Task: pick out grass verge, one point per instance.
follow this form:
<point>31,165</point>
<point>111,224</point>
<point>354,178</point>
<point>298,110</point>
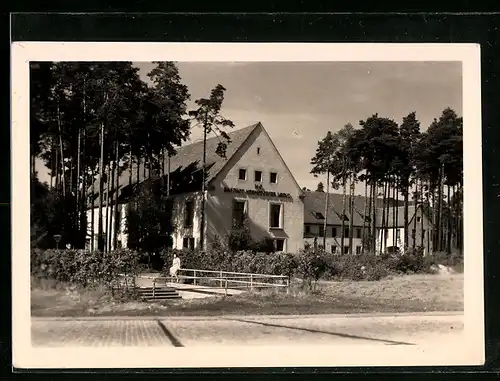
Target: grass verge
<point>412,293</point>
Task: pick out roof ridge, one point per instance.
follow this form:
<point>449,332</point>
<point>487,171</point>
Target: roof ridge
<point>239,130</point>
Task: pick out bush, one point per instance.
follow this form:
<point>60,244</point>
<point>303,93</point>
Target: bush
<point>356,267</point>
<point>245,261</point>
<point>311,266</point>
<point>82,267</point>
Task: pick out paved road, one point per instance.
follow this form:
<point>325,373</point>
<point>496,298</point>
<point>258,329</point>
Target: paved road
<point>256,330</point>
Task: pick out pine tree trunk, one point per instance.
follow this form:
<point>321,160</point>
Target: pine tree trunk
<point>351,215</point>
<point>108,204</point>
<point>117,186</point>
<point>374,217</point>
<point>448,240</point>
<point>434,217</point>
<point>365,204</point>
<point>100,237</point>
<point>414,230</point>
<point>111,198</point>
<point>460,220</point>
<point>63,175</point>
<point>56,181</point>
<point>343,215</point>
<point>83,199</point>
<point>429,233</point>
<point>382,231</point>
<point>422,213</point>
<point>394,211</point>
<point>52,169</point>
<point>78,174</point>
<point>405,217</point>
<point>455,217</point>
<point>388,206</point>
<point>203,188</point>
<point>92,224</point>
<point>327,195</point>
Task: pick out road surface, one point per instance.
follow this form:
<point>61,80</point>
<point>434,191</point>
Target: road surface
<point>247,330</point>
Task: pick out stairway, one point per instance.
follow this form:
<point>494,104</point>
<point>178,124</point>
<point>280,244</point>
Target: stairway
<point>160,293</point>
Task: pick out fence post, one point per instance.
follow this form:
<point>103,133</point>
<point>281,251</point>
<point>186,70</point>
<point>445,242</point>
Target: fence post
<point>251,282</point>
<point>220,282</point>
<point>154,287</point>
<point>287,285</point>
<point>194,277</point>
<point>225,289</point>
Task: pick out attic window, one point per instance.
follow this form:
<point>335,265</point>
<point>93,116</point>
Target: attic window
<point>258,150</point>
<point>273,177</point>
<point>319,216</point>
<point>242,174</point>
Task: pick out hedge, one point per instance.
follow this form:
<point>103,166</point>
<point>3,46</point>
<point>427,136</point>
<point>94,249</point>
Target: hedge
<point>84,268</point>
<point>311,265</point>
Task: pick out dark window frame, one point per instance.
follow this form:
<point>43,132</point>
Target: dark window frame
<point>271,217</point>
<point>275,174</point>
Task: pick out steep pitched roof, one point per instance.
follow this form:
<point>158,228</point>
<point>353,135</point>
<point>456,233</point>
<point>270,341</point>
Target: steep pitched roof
<point>314,208</point>
<point>399,213</point>
<point>314,203</point>
<point>189,158</point>
<point>191,155</point>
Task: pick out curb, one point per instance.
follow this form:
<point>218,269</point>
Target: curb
<point>254,317</point>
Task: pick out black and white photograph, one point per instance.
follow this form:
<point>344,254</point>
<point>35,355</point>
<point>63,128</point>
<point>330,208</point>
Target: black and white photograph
<point>254,205</point>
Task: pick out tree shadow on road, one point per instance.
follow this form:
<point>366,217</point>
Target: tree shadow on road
<point>345,335</point>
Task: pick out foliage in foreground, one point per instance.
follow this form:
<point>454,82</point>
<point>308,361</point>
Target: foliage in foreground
<point>82,268</point>
<point>311,266</point>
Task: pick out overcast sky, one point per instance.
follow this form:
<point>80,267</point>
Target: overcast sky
<point>298,102</point>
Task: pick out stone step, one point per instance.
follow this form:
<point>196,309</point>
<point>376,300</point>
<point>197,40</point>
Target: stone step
<point>160,293</point>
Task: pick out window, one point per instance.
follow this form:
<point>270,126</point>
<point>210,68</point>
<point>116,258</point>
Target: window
<point>346,249</point>
<point>398,234</point>
<point>242,174</point>
<point>334,249</point>
<point>188,213</point>
<point>358,233</point>
<point>238,214</point>
<point>188,243</point>
<point>358,250</point>
<point>319,216</point>
<point>419,219</point>
<point>413,233</point>
<point>279,244</point>
<point>308,229</point>
<point>321,231</point>
<point>258,176</point>
<point>423,233</point>
<point>334,232</point>
<point>346,232</point>
<point>275,211</point>
<point>273,178</point>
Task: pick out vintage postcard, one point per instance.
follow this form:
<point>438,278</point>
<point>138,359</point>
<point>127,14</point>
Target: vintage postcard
<point>246,205</point>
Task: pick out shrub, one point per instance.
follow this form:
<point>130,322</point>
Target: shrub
<point>311,265</point>
<point>245,261</point>
<point>82,267</point>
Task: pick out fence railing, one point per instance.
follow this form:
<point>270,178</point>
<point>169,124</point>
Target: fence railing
<point>218,279</point>
<point>223,280</point>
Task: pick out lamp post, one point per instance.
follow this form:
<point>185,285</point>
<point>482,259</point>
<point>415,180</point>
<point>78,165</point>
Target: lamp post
<point>57,238</point>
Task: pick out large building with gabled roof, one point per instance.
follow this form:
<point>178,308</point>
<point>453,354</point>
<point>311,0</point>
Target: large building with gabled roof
<point>389,238</point>
<point>252,184</point>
